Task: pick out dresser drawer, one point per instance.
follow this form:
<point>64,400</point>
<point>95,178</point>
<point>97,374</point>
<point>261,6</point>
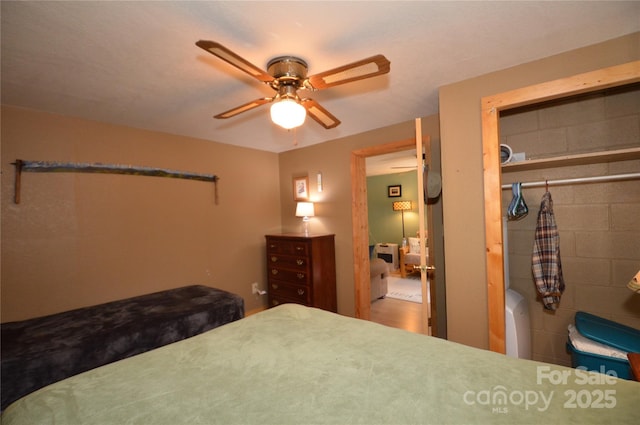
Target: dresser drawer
<point>283,246</point>
<point>282,290</point>
<point>298,263</point>
<point>301,269</point>
<point>295,276</point>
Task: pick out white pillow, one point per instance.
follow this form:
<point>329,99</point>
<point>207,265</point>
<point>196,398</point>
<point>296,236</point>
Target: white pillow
<point>414,246</point>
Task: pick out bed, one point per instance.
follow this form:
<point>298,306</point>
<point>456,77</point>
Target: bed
<point>43,350</point>
<point>299,365</point>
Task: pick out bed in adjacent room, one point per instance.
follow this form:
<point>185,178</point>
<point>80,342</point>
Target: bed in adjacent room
<point>299,365</point>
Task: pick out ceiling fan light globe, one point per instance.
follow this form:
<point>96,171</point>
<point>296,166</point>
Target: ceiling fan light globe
<point>288,113</point>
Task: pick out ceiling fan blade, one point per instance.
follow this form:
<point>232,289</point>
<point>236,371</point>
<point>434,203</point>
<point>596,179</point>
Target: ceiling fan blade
<point>365,68</point>
<point>243,108</point>
<point>232,58</point>
<point>319,114</point>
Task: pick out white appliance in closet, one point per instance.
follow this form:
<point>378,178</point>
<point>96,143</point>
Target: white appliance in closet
<point>516,312</point>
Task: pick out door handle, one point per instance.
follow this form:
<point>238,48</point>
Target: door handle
<point>425,268</point>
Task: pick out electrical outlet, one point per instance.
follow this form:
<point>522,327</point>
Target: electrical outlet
<point>255,290</point>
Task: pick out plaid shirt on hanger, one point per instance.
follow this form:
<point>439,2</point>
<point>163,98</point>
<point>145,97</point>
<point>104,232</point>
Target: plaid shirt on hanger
<point>545,261</point>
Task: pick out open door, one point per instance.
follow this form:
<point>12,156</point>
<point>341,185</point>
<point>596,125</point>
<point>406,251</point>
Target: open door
<point>361,231</point>
<point>425,223</point>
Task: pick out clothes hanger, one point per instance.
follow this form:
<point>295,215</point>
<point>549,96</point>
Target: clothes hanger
<point>518,207</point>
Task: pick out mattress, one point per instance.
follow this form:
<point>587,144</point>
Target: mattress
<point>299,365</point>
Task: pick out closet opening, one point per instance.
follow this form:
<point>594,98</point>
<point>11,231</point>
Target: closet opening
<point>542,119</point>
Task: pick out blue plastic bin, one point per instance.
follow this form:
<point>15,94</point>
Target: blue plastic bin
<point>609,333</point>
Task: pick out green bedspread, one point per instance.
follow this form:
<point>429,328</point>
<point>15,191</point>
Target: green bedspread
<point>298,365</point>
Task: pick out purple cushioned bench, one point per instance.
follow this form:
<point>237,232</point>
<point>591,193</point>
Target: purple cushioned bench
<point>40,351</point>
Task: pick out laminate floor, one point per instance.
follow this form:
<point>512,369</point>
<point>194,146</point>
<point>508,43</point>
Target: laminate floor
<point>397,314</point>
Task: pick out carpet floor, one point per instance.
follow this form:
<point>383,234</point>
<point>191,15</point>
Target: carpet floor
<point>404,289</point>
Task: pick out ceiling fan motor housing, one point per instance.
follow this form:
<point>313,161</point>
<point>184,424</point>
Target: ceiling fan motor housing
<point>288,91</point>
<point>287,70</point>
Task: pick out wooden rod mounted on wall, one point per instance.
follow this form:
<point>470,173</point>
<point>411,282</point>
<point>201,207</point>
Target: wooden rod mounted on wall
<point>61,167</point>
<point>16,195</point>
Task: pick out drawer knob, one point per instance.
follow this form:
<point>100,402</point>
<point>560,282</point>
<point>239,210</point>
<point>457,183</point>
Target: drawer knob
<point>300,291</point>
<point>298,248</point>
<point>300,261</point>
<point>275,302</point>
<point>274,259</point>
<point>274,286</point>
<point>274,271</point>
<point>300,275</point>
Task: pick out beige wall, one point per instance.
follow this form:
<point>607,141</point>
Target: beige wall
<point>333,208</point>
<point>599,223</point>
<point>462,174</point>
<point>56,256</point>
<point>82,239</point>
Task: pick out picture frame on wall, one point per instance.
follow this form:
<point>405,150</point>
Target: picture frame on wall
<point>394,191</point>
<point>301,188</point>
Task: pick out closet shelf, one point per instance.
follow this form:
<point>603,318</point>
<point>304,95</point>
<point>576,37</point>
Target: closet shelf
<point>577,159</point>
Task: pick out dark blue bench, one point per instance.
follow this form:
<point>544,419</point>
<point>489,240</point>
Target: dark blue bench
<point>41,351</point>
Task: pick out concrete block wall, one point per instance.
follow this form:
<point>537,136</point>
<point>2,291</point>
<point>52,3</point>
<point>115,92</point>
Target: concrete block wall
<point>599,223</point>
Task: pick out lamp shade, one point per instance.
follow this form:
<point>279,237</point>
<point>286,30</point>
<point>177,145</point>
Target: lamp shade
<point>288,113</point>
<point>402,206</point>
<point>305,209</point>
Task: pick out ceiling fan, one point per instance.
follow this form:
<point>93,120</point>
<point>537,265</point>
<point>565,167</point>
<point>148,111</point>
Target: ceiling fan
<point>288,74</point>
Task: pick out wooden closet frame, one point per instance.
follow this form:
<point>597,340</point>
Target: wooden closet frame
<point>491,107</point>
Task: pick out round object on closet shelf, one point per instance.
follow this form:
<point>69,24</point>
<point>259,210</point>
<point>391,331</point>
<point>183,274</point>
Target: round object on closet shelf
<point>505,154</point>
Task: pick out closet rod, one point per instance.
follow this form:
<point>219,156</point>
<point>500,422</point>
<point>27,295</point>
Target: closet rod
<point>615,177</point>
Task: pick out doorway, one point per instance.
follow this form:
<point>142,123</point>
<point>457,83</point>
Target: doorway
<point>361,241</point>
<point>392,211</point>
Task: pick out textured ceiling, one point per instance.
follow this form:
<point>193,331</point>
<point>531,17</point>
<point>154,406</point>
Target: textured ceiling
<point>136,64</point>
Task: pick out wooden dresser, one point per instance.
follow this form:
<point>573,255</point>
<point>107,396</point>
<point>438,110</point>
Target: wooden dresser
<point>302,269</point>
